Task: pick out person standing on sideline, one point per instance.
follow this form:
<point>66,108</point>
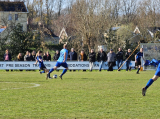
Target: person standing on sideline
<point>7,56</point>
<point>72,55</point>
<point>56,56</point>
<point>101,57</point>
<point>61,61</point>
<point>111,56</point>
<point>92,58</point>
<point>48,56</point>
<point>119,57</point>
<point>20,57</point>
<point>26,57</point>
<point>138,59</point>
<point>44,56</point>
<point>128,53</point>
<point>33,56</point>
<point>82,56</point>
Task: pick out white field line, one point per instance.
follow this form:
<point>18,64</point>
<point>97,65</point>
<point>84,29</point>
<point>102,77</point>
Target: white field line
<point>34,85</point>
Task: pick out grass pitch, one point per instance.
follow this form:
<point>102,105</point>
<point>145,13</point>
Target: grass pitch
<point>92,95</point>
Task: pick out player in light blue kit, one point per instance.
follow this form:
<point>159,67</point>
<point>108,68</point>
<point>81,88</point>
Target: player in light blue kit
<point>155,77</point>
<point>61,61</point>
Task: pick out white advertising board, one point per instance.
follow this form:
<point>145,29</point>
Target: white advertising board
<point>71,64</point>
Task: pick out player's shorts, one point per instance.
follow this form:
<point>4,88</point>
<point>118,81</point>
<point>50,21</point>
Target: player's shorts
<point>138,63</point>
<point>63,64</point>
<point>158,71</point>
<point>42,68</point>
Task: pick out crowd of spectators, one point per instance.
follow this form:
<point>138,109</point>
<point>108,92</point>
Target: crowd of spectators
<point>102,57</point>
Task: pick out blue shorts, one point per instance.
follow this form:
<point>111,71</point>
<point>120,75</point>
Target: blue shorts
<point>63,64</point>
<point>158,71</point>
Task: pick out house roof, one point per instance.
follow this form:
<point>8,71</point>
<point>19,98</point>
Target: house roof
<point>2,29</point>
<point>49,33</point>
<point>13,6</point>
<point>154,29</point>
<point>63,30</point>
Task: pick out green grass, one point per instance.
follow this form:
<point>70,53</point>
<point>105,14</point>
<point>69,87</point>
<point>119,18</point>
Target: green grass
<point>92,95</point>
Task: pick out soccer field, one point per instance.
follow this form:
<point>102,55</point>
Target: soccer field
<point>92,95</point>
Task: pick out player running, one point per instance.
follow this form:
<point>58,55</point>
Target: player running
<point>138,59</point>
<point>41,64</point>
<point>61,61</point>
<point>155,77</point>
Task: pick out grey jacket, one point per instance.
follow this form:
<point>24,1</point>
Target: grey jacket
<point>111,57</point>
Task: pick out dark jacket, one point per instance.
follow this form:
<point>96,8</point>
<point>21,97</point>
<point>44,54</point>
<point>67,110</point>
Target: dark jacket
<point>101,56</point>
<point>48,57</point>
<point>84,57</point>
<point>56,56</point>
<point>9,55</point>
<point>111,57</point>
<point>119,55</point>
<point>27,58</point>
<point>127,55</point>
<point>45,57</point>
<point>92,57</point>
<point>73,55</point>
<point>20,59</point>
<point>33,57</point>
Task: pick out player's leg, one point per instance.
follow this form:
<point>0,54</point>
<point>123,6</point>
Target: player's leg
<point>52,69</point>
<point>43,70</point>
<point>65,65</point>
<point>139,66</point>
<point>127,67</point>
<point>101,64</point>
<point>149,83</point>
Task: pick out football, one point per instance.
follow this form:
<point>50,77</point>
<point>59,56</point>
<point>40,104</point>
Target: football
<point>55,76</point>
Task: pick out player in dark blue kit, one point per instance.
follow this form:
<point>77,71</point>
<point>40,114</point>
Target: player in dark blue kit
<point>41,64</point>
<point>61,61</point>
<point>138,59</point>
<point>155,77</point>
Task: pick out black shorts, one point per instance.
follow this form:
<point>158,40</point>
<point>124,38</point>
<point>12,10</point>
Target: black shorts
<point>42,68</point>
<point>138,63</point>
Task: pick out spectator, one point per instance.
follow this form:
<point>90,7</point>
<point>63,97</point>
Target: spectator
<point>30,57</point>
<point>119,57</point>
<point>48,56</point>
<point>7,56</point>
<point>129,60</point>
<point>101,57</point>
<point>33,56</point>
<point>20,57</point>
<point>27,57</point>
<point>82,56</point>
<point>92,58</point>
<point>72,55</point>
<point>44,57</point>
<point>111,56</point>
<point>56,56</point>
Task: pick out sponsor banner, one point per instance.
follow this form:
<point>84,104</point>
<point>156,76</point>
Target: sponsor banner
<point>71,64</point>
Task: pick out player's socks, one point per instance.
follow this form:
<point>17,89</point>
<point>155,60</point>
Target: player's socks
<point>138,70</point>
<point>64,71</point>
<point>149,83</point>
<point>50,71</point>
<point>42,71</point>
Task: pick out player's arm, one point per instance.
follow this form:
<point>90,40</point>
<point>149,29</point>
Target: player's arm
<point>64,57</point>
<point>36,61</point>
<point>135,58</point>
